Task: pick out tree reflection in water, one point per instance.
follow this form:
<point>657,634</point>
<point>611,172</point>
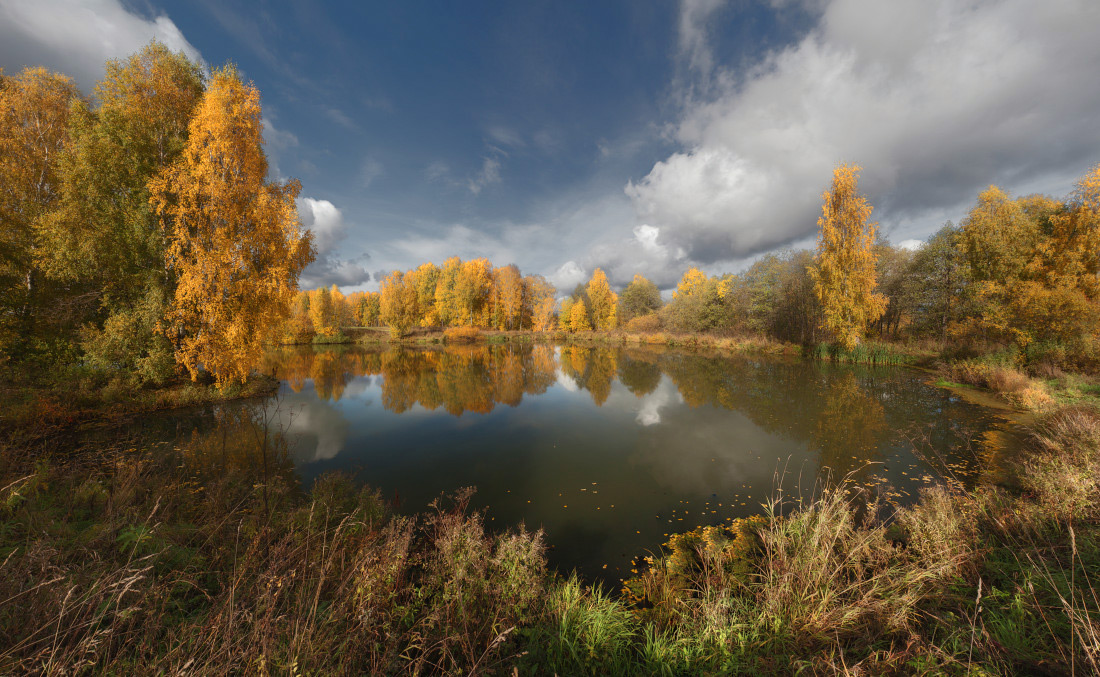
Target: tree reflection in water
<point>836,410</point>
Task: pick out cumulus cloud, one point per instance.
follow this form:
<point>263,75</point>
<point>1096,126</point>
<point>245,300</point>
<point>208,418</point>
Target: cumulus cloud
<point>934,99</point>
<point>329,231</point>
<point>642,253</point>
<point>649,411</point>
<point>77,38</point>
<point>567,276</point>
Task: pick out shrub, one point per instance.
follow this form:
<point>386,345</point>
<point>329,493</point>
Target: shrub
<point>644,324</point>
<point>461,334</point>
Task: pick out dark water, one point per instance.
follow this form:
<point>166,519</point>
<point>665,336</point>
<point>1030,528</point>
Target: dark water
<point>609,449</point>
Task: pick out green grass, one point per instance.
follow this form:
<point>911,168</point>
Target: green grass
<point>866,353</point>
<point>944,383</point>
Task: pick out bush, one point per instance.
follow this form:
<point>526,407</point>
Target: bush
<point>461,335</point>
<point>644,324</point>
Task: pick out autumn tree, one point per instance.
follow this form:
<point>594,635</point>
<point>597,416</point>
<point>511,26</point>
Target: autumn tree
<point>538,303</point>
<point>426,279</point>
<point>844,270</point>
<point>321,312</point>
<point>398,303</point>
<point>565,314</point>
<point>640,297</point>
<point>700,303</point>
<point>1074,251</point>
<point>691,283</point>
<point>578,317</point>
<point>473,287</point>
<point>1030,260</point>
<point>604,306</point>
<point>342,315</point>
<point>34,116</point>
<point>446,302</point>
<point>508,297</point>
<point>234,239</point>
<point>369,309</point>
<point>299,326</point>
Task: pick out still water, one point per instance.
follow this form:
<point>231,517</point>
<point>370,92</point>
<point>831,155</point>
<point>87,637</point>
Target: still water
<point>611,449</point>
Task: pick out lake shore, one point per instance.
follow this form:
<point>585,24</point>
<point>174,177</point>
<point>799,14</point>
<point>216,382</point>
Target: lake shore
<point>207,558</point>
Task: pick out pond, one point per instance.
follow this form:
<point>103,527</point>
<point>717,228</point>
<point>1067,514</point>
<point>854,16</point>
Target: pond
<point>609,450</point>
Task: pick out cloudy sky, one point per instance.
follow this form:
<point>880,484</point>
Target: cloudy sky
<point>637,136</point>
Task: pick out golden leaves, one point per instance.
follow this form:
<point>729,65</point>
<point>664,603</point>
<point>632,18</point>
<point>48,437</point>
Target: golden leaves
<point>844,271</point>
<point>234,242</point>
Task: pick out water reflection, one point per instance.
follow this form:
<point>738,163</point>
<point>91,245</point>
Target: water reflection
<point>610,449</point>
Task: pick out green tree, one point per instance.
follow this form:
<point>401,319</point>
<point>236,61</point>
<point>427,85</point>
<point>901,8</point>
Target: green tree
<point>34,117</point>
<point>640,297</point>
<point>940,279</point>
<point>104,234</point>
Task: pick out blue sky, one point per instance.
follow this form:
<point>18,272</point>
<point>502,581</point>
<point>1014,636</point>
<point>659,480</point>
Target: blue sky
<point>637,136</point>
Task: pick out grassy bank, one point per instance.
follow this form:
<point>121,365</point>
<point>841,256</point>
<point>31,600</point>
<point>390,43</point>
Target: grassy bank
<point>70,396</point>
<point>207,556</point>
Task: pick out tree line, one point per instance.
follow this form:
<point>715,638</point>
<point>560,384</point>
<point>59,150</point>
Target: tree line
<point>1022,272</point>
<point>141,235</point>
<point>140,232</point>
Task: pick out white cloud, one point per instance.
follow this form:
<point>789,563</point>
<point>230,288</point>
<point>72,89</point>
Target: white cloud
<point>505,136</point>
<point>489,174</point>
<point>911,245</point>
<point>694,45</point>
<point>329,232</point>
<point>340,117</point>
<point>437,170</point>
<point>371,170</point>
<point>276,143</point>
<point>77,38</point>
<point>567,276</point>
<point>649,412</point>
<point>934,99</point>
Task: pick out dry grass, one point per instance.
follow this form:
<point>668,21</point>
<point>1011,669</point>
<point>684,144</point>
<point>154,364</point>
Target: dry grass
<point>1063,468</point>
<point>200,563</point>
<point>1011,384</point>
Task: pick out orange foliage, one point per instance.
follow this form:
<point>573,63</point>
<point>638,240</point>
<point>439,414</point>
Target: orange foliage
<point>234,242</point>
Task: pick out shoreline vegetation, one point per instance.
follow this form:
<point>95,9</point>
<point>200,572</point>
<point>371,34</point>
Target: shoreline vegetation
<point>124,290</point>
<point>207,555</point>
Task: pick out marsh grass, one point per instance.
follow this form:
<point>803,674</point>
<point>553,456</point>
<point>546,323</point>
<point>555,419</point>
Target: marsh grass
<point>206,557</point>
<point>870,352</point>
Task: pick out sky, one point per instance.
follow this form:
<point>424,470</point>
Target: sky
<point>637,136</point>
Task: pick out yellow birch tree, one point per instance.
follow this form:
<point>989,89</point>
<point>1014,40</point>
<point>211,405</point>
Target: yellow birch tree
<point>578,317</point>
<point>604,302</point>
<point>844,270</point>
<point>234,240</point>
